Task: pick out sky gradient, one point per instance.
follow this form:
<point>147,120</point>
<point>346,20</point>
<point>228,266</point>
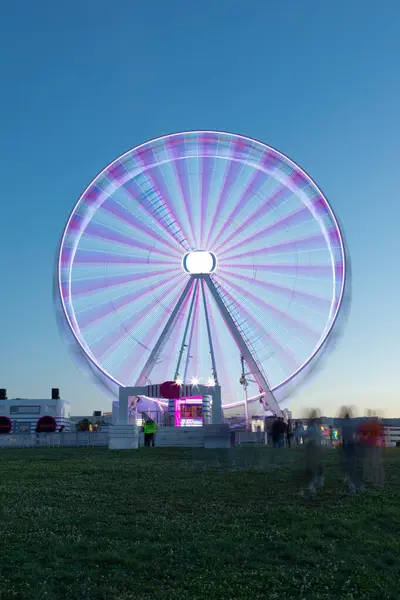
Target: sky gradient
<point>83,83</point>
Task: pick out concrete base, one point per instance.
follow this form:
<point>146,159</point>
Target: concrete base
<point>123,437</point>
<point>173,437</point>
<point>217,436</point>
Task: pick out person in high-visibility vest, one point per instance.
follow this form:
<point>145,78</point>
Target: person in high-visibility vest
<point>149,429</point>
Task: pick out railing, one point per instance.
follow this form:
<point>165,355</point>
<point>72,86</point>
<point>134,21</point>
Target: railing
<point>250,437</point>
<point>67,439</point>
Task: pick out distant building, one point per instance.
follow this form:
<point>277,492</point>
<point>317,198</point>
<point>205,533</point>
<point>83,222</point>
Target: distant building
<point>105,419</point>
<point>391,428</point>
<point>25,413</point>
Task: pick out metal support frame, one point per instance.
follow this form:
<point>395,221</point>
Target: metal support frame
<point>243,348</point>
<point>245,398</point>
<point>183,345</point>
<point>188,355</point>
<point>162,340</point>
<point>210,342</point>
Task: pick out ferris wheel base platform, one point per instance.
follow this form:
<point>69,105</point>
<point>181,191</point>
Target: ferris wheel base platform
<point>217,436</point>
<point>123,437</point>
<point>127,437</point>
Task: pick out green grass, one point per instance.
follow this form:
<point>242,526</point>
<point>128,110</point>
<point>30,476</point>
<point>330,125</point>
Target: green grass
<point>187,524</point>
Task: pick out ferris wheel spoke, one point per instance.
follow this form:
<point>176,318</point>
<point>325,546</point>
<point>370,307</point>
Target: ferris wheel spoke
<point>206,179</point>
<point>288,322</point>
<point>93,285</point>
<point>310,270</point>
<point>268,165</point>
<point>231,175</point>
<point>99,258</point>
<point>112,236</point>
<point>180,171</point>
<point>281,195</point>
<point>131,326</point>
<point>146,195</point>
<point>151,204</point>
<point>209,147</point>
<point>162,340</point>
<point>145,156</point>
<point>87,317</point>
<point>252,189</point>
<point>311,243</point>
<point>312,301</point>
<point>301,216</point>
<point>264,332</point>
<point>137,223</point>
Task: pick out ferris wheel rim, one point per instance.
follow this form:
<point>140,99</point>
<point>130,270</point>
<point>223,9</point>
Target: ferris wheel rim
<point>343,279</point>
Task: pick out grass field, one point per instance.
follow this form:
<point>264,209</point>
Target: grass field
<point>188,524</point>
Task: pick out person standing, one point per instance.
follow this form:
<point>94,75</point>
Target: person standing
<point>349,449</point>
<point>312,440</point>
<point>371,438</point>
<point>149,429</point>
<point>289,433</point>
<point>275,433</point>
<point>299,432</point>
<point>282,432</point>
<point>331,436</point>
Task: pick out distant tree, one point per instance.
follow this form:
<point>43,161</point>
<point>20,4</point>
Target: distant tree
<point>83,425</point>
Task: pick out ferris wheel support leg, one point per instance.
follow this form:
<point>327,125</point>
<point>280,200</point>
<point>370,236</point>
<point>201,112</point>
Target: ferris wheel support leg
<point>243,348</point>
<point>123,415</point>
<point>210,341</point>
<point>162,340</point>
<point>184,345</point>
<point>217,416</point>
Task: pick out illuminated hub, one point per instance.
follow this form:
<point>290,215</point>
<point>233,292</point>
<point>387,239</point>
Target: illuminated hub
<point>199,262</point>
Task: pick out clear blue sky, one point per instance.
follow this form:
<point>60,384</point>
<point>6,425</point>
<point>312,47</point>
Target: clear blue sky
<point>84,81</point>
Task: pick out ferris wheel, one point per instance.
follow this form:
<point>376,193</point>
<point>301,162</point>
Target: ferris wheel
<point>197,252</point>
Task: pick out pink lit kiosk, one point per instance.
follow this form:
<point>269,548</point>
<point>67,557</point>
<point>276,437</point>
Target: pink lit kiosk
<point>189,407</point>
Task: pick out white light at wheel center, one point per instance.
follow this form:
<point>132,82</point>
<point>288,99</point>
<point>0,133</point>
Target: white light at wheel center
<point>199,262</point>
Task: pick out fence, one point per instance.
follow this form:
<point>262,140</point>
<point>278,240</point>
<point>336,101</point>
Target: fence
<point>67,439</point>
<point>250,437</point>
<point>100,438</point>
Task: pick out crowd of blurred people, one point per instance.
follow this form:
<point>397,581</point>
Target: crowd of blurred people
<point>283,434</point>
<point>360,443</point>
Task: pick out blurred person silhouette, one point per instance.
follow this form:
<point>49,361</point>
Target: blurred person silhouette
<point>372,440</point>
<point>351,449</point>
<point>299,432</point>
<point>289,433</point>
<point>282,429</point>
<point>312,439</point>
<point>275,433</point>
<point>331,436</point>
